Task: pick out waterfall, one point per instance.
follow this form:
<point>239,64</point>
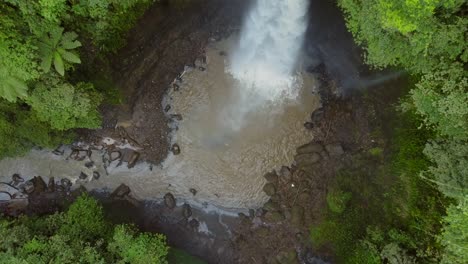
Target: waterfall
<point>271,38</point>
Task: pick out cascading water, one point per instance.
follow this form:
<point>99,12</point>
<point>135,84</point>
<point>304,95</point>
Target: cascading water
<point>269,46</point>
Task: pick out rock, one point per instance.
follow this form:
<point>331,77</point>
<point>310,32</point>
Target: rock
<point>285,173</point>
<point>79,154</point>
<point>179,79</point>
<point>262,231</point>
<point>297,215</point>
<point>317,115</point>
<point>176,87</point>
<point>271,206</point>
<point>274,216</point>
<point>133,159</point>
<point>177,117</point>
<point>167,108</point>
<point>269,189</point>
<point>89,164</point>
<point>169,201</point>
<point>287,257</point>
<point>121,191</point>
<point>28,187</point>
<point>39,184</point>
<point>186,211</point>
<point>66,183</point>
<point>222,53</point>
<point>334,150</point>
<point>194,224</point>
<point>309,125</point>
<point>59,151</point>
<point>304,197</point>
<point>271,177</point>
<point>251,213</point>
<point>202,68</point>
<point>16,179</point>
<point>83,176</point>
<point>260,212</point>
<point>175,149</point>
<point>307,159</point>
<point>96,175</point>
<point>312,147</point>
<point>51,184</point>
<point>114,155</point>
<point>193,191</point>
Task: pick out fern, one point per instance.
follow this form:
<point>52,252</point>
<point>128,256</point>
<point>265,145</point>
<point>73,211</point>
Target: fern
<point>56,48</point>
<point>10,87</point>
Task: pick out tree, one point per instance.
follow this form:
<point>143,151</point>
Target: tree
<point>455,234</point>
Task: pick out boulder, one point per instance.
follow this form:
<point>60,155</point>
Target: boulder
<point>186,211</point>
<point>39,184</point>
<point>133,159</point>
<point>51,184</point>
<point>271,206</point>
<point>193,191</point>
<point>167,108</point>
<point>271,177</point>
<point>317,115</point>
<point>274,216</point>
<point>16,179</point>
<point>96,175</point>
<point>307,159</point>
<point>169,201</point>
<point>334,150</point>
<point>114,155</point>
<point>121,191</point>
<point>285,173</point>
<point>83,176</point>
<point>194,224</point>
<point>269,189</point>
<point>287,257</point>
<point>309,125</point>
<point>177,117</point>
<point>175,149</point>
<point>310,148</point>
<point>89,164</point>
<point>297,215</point>
<point>28,187</point>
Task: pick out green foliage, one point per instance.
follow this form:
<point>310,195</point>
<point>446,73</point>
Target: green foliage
<point>177,256</point>
<point>138,248</point>
<point>455,234</point>
<point>57,46</point>
<point>80,235</point>
<point>337,200</point>
<point>65,106</point>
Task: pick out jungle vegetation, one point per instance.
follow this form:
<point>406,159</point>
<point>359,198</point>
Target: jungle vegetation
<point>413,209</point>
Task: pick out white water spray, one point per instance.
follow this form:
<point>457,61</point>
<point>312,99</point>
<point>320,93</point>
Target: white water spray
<point>269,46</point>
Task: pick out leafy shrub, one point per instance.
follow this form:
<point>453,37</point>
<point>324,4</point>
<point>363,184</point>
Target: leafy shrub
<point>337,200</point>
<point>80,235</point>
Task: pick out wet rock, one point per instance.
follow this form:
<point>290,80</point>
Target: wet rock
<point>271,177</point>
<point>177,117</point>
<point>202,68</point>
<point>28,187</point>
<point>271,206</point>
<point>194,224</point>
<point>51,184</point>
<point>169,201</point>
<point>193,191</point>
<point>334,150</point>
<point>186,211</point>
<point>251,213</point>
<point>309,125</point>
<point>39,184</point>
<point>317,115</point>
<point>176,87</point>
<point>307,159</point>
<point>297,215</point>
<point>167,108</point>
<point>274,216</point>
<point>287,257</point>
<point>96,175</point>
<point>83,176</point>
<point>59,151</point>
<point>133,159</point>
<point>285,173</point>
<point>16,179</point>
<point>310,148</point>
<point>114,155</point>
<point>79,154</point>
<point>269,189</point>
<point>223,53</point>
<point>260,212</point>
<point>121,191</point>
<point>276,197</point>
<point>175,149</point>
<point>89,164</point>
<point>66,183</point>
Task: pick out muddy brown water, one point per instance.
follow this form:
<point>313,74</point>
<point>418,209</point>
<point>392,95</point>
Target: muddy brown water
<point>224,162</point>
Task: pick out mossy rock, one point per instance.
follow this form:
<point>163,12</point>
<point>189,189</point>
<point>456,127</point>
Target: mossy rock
<point>287,257</point>
<point>269,189</point>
